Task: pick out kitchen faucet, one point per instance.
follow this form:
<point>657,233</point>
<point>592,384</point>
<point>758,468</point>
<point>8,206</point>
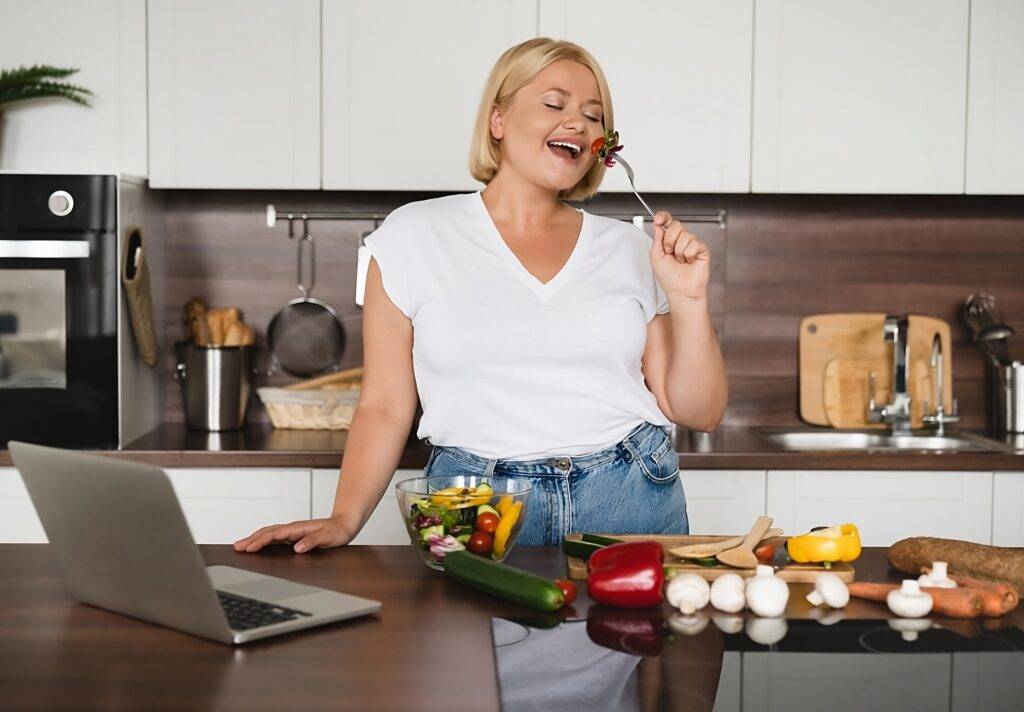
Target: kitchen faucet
<point>938,419</point>
<point>896,413</point>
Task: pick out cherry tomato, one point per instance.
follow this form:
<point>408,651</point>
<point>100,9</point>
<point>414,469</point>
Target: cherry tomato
<point>597,144</point>
<point>568,590</point>
<point>480,543</point>
<point>764,553</point>
<point>487,522</point>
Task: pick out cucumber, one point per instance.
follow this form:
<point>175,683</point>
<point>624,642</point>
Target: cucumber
<point>602,540</point>
<point>579,549</point>
<point>503,581</point>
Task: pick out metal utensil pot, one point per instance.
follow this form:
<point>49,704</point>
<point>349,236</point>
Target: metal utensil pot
<point>215,383</point>
<point>1006,389</point>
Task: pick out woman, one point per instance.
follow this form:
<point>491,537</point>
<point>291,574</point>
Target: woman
<point>550,343</point>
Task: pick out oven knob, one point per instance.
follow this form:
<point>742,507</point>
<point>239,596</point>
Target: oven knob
<point>61,203</point>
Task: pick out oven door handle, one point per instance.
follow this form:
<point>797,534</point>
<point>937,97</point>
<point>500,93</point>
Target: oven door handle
<point>44,249</point>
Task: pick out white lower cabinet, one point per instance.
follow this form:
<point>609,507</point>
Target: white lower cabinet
<point>885,505</point>
<point>18,521</point>
<point>223,505</point>
<point>385,525</point>
<point>845,681</point>
<point>1008,509</point>
<point>723,501</point>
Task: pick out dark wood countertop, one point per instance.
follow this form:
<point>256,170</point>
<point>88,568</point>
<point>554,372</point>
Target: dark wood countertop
<point>430,647</point>
<point>733,448</point>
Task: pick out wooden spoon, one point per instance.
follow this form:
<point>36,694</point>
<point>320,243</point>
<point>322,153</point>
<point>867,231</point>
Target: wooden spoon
<point>698,551</point>
<point>742,556</point>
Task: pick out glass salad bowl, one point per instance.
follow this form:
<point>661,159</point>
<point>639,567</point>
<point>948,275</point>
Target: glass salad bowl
<point>443,514</point>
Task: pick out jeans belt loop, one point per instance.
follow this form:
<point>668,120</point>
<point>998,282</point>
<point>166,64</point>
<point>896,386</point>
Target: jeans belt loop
<point>489,472</point>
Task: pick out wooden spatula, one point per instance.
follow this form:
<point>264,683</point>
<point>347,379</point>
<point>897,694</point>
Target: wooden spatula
<point>698,551</point>
<point>742,556</point>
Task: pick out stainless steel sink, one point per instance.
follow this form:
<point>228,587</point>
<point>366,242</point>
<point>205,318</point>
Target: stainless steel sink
<point>821,439</point>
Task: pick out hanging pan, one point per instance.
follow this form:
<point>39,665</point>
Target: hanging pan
<point>306,337</point>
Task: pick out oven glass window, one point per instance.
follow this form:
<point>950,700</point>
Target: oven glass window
<point>33,328</point>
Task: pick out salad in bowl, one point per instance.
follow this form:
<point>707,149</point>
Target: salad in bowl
<point>445,514</point>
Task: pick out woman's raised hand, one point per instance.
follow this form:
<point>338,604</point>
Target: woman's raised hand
<point>305,535</point>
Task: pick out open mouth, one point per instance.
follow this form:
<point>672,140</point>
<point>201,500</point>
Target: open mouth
<point>565,151</point>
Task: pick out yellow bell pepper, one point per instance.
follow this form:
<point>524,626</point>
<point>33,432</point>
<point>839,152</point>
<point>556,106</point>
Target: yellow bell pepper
<point>838,543</point>
<point>504,530</point>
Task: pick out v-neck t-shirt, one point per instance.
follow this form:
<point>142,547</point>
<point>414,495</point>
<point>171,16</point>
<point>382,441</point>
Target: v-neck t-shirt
<point>507,366</point>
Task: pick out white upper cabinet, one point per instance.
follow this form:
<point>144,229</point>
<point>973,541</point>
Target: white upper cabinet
<point>402,82</point>
<point>679,73</point>
<point>995,114</point>
<point>106,41</point>
<point>859,97</point>
<point>234,94</point>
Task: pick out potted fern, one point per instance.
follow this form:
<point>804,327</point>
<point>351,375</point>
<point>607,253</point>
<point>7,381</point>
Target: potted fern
<point>36,82</point>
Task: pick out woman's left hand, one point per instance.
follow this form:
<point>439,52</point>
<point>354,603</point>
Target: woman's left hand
<point>681,262</point>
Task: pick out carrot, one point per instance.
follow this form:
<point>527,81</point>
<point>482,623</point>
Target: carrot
<point>949,602</point>
<point>997,597</point>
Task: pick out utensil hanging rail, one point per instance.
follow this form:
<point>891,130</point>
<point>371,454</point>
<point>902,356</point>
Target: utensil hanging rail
<point>273,215</point>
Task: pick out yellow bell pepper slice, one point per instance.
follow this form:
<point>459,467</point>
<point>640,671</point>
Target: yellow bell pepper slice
<point>838,543</point>
<point>504,530</point>
<point>503,505</point>
<point>460,497</point>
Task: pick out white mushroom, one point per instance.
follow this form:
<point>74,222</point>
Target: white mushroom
<point>727,593</point>
<point>937,577</point>
<point>909,601</point>
<point>766,631</point>
<point>728,624</point>
<point>767,594</point>
<point>688,593</point>
<point>827,616</point>
<point>829,590</point>
<point>687,624</point>
<point>909,627</point>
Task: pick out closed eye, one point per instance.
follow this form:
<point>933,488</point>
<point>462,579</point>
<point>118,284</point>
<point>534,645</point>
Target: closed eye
<point>559,108</point>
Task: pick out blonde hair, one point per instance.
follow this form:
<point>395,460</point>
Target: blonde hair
<point>515,69</point>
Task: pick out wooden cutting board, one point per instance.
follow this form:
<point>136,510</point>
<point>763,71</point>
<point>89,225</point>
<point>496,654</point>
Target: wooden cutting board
<point>847,384</point>
<point>794,573</point>
<point>858,335</point>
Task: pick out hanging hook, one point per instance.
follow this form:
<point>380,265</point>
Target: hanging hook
<point>306,239</point>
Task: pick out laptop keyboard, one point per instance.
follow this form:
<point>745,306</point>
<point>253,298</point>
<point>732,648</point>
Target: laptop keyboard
<point>245,613</point>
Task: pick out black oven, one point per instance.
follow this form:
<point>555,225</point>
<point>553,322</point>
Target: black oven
<point>59,310</point>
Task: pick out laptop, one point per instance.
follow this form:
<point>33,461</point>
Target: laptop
<point>121,543</point>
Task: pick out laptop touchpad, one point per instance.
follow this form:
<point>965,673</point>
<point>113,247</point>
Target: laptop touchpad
<point>272,589</point>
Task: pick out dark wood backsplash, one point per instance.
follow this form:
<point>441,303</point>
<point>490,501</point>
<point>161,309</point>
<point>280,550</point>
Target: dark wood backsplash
<point>780,258</point>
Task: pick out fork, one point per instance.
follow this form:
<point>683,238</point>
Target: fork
<point>629,174</point>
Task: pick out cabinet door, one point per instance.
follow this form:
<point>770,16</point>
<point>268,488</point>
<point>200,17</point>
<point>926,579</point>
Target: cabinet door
<point>18,521</point>
<point>106,41</point>
<point>234,94</point>
<point>995,100</point>
<point>679,73</point>
<point>846,682</point>
<point>222,506</point>
<point>1008,509</point>
<point>385,525</point>
<point>859,97</point>
<point>402,82</point>
<point>886,506</point>
<point>723,501</point>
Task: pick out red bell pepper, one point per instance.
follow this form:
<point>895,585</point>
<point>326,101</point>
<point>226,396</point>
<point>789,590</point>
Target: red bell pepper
<point>627,575</point>
<point>632,632</point>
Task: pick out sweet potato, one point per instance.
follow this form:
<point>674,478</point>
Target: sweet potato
<point>964,558</point>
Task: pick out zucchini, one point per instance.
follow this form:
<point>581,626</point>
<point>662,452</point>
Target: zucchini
<point>503,581</point>
<point>602,540</point>
<point>579,549</point>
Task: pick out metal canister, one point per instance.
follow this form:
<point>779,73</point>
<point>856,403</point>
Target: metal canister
<point>216,382</point>
<point>1007,397</point>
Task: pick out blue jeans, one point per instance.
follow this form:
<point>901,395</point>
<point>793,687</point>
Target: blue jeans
<point>632,487</point>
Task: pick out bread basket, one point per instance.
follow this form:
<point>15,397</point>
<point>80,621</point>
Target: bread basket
<point>324,403</point>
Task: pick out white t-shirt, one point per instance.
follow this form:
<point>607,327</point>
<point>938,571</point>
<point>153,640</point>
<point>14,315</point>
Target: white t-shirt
<point>507,366</point>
